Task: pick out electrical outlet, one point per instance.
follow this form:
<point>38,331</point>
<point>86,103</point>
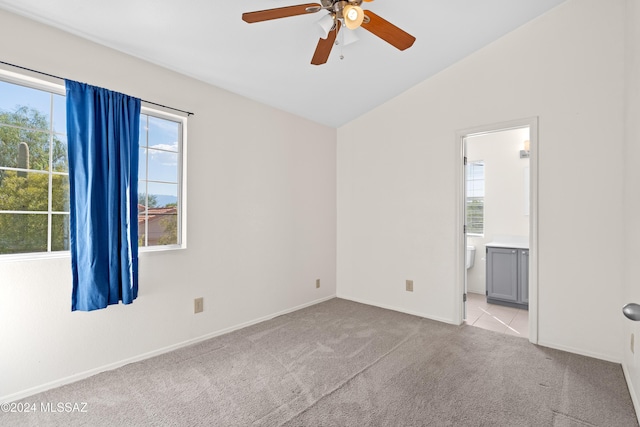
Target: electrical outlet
<point>633,350</point>
<point>409,285</point>
<point>317,283</point>
<point>198,305</point>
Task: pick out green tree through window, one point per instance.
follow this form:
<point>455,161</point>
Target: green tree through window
<point>33,164</point>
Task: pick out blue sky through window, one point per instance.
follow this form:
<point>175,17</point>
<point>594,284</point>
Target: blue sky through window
<point>159,157</point>
<point>163,135</point>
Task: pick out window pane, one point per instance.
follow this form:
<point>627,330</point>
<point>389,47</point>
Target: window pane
<point>60,114</point>
<point>164,195</point>
<point>141,227</point>
<point>163,166</point>
<point>60,193</point>
<point>59,232</point>
<point>142,195</point>
<point>143,130</point>
<point>475,197</point>
<point>23,106</point>
<point>142,163</point>
<point>21,148</point>
<point>475,215</point>
<point>163,134</point>
<point>163,227</point>
<point>160,220</point>
<point>24,191</point>
<point>60,153</point>
<point>22,233</point>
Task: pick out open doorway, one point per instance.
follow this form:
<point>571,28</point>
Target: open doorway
<point>498,204</point>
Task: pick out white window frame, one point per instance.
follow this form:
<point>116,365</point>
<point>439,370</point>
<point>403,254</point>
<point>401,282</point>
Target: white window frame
<point>182,179</point>
<point>59,89</point>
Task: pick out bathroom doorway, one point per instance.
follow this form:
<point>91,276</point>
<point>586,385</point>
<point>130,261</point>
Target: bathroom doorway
<point>498,204</point>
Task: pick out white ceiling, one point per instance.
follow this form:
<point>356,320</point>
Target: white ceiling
<point>270,61</point>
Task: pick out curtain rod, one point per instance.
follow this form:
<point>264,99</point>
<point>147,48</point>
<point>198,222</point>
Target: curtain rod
<point>188,113</point>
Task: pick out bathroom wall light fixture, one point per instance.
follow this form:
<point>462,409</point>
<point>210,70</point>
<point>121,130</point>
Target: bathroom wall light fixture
<point>524,153</point>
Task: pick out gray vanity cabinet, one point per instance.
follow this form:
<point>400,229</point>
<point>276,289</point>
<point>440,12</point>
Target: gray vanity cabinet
<point>508,276</point>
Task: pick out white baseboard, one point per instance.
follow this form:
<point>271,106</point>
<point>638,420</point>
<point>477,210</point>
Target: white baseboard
<point>82,375</point>
<point>399,309</point>
<point>601,356</point>
<point>632,392</point>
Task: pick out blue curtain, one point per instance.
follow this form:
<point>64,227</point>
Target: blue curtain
<point>102,133</point>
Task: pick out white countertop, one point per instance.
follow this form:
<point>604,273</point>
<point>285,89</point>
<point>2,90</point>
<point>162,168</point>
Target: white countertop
<point>515,245</point>
<point>517,242</point>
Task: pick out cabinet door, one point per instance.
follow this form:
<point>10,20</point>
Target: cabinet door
<point>502,274</point>
<point>524,276</point>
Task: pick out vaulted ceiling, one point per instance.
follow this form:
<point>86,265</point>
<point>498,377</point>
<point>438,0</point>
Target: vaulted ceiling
<point>270,61</point>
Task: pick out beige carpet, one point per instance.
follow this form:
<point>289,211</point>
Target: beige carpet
<point>340,363</point>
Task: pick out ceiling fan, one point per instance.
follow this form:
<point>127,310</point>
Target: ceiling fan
<point>341,13</point>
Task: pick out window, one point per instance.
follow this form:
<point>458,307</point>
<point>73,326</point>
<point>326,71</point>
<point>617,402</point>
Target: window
<point>34,183</point>
<point>159,181</point>
<point>475,198</point>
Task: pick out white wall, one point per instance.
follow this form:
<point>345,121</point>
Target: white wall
<point>631,282</point>
<point>504,200</point>
<point>261,225</point>
<point>397,169</point>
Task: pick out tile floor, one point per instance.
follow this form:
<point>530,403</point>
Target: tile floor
<point>498,318</point>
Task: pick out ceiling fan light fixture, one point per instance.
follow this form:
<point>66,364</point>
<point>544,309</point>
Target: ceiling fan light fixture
<point>349,37</point>
<point>325,25</point>
<point>353,16</point>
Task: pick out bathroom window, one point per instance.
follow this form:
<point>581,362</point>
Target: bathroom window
<point>475,198</point>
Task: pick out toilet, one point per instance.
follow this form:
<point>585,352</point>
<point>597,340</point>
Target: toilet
<point>471,255</point>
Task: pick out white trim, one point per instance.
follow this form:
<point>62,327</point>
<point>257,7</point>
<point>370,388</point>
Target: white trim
<point>632,392</point>
<point>82,375</point>
<point>459,238</point>
<point>34,256</point>
<point>398,309</point>
<point>162,114</point>
<point>24,79</point>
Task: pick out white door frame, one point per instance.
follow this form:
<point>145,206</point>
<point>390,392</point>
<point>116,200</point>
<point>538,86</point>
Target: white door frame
<point>460,237</point>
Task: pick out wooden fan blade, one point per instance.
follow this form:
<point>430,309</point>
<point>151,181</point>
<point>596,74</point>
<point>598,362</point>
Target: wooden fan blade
<point>321,55</point>
<point>280,12</point>
<point>387,31</point>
